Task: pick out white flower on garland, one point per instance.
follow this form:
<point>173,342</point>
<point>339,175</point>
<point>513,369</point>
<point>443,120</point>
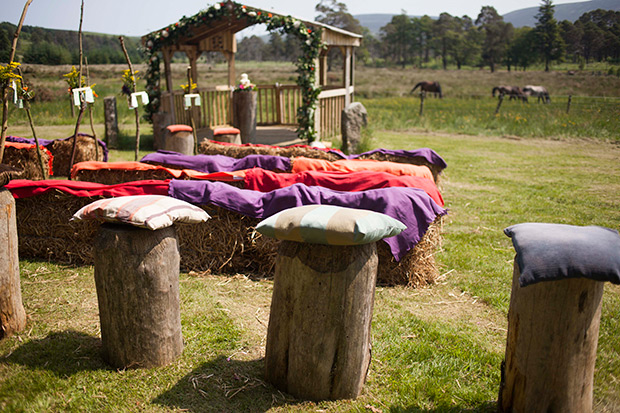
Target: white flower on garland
<point>217,6</point>
<point>309,42</point>
<point>296,24</point>
<point>164,33</point>
<point>252,13</point>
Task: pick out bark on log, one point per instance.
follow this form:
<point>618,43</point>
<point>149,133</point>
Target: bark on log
<point>244,114</point>
<point>111,121</point>
<point>12,313</point>
<point>182,142</point>
<point>551,346</point>
<point>137,279</point>
<point>318,339</point>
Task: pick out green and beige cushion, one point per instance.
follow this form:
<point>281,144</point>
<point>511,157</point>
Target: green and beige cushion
<point>330,225</point>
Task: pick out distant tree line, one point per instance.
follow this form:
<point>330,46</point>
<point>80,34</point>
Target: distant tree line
<point>457,41</point>
<point>57,47</point>
<point>463,41</point>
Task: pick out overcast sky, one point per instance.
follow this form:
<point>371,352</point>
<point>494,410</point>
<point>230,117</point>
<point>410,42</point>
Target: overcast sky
<point>139,17</point>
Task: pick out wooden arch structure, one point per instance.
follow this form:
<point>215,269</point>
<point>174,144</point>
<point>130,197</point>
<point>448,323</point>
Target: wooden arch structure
<point>277,104</point>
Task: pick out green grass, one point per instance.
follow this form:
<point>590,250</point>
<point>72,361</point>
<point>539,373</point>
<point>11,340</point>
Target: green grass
<point>587,118</point>
<point>434,349</point>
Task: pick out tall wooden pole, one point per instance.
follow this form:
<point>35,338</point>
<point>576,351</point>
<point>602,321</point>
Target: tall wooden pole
<point>132,73</point>
<point>5,88</point>
<point>191,109</point>
<point>82,103</point>
<point>90,113</point>
<point>34,134</point>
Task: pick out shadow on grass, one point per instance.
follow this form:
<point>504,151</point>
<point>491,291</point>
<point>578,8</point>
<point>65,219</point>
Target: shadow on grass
<point>488,406</point>
<point>61,353</point>
<point>224,385</point>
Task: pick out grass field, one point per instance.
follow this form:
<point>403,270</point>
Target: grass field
<point>436,349</point>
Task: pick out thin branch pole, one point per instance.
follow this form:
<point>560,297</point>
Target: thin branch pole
<point>90,113</point>
<point>5,88</point>
<point>34,133</point>
<point>191,110</point>
<point>82,103</point>
<point>132,73</point>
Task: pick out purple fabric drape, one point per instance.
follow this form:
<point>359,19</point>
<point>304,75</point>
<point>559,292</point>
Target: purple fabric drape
<point>218,163</point>
<point>412,206</point>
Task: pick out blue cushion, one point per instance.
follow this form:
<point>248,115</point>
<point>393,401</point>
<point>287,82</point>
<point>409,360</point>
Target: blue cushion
<point>547,252</point>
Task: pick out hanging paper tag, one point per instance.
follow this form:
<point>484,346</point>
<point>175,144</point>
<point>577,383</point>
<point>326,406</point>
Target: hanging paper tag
<point>133,100</point>
<point>187,103</point>
<point>16,100</point>
<point>88,95</point>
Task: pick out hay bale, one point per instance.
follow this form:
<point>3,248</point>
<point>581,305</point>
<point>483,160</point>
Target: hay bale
<point>61,149</point>
<point>226,244</point>
<point>117,176</point>
<point>8,172</point>
<point>45,232</point>
<point>208,147</point>
<point>28,161</point>
<point>411,160</point>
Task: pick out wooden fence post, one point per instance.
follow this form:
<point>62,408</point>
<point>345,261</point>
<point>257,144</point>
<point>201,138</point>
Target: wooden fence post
<point>111,121</point>
<point>422,96</point>
<point>570,98</point>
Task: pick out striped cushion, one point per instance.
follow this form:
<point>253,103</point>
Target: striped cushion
<point>330,225</point>
<point>145,211</point>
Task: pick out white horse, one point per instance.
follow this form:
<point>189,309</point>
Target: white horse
<point>539,91</point>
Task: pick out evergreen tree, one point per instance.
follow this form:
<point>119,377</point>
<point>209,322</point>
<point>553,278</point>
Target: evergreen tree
<point>548,39</point>
<point>497,36</point>
<point>5,46</point>
<point>397,36</point>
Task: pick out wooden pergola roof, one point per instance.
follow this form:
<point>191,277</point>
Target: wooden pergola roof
<point>330,36</point>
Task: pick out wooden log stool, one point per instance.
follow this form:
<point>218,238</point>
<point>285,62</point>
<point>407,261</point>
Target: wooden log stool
<point>227,134</point>
<point>318,339</point>
<point>12,313</point>
<point>179,138</point>
<point>554,315</point>
<point>137,277</point>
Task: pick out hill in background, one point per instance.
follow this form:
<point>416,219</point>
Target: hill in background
<point>518,18</point>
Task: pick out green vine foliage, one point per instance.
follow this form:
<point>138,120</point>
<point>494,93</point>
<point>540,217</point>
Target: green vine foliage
<point>306,68</point>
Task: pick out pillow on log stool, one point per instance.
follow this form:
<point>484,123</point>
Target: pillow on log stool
<point>225,131</point>
<point>330,225</point>
<point>178,128</point>
<point>144,211</point>
<point>547,252</point>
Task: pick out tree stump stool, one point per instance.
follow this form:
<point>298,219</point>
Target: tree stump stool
<point>554,316</point>
<point>229,134</point>
<point>179,138</point>
<point>12,313</point>
<point>318,339</point>
<point>137,280</point>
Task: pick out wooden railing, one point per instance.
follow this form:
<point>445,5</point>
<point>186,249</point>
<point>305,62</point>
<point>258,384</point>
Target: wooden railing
<point>276,105</point>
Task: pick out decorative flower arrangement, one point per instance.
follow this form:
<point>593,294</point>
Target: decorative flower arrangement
<point>7,73</point>
<point>72,79</point>
<point>310,43</point>
<point>129,82</point>
<point>187,89</point>
<point>245,84</point>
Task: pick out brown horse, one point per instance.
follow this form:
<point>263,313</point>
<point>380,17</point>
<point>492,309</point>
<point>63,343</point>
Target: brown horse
<point>432,87</point>
<point>513,92</point>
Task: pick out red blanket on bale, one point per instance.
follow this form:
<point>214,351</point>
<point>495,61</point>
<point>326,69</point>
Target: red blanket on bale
<point>302,164</point>
<point>24,188</point>
<point>265,181</point>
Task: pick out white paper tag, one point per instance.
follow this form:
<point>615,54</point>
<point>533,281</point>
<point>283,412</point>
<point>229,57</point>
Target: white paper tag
<point>191,99</point>
<point>86,91</point>
<point>16,100</point>
<point>133,100</point>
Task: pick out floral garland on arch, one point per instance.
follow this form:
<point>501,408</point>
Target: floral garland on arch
<point>306,68</point>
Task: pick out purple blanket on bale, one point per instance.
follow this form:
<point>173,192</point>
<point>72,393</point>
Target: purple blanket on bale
<point>218,163</point>
<point>412,206</point>
<point>46,142</point>
<point>430,155</point>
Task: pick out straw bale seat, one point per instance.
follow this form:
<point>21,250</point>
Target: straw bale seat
<point>23,157</point>
<point>228,243</point>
